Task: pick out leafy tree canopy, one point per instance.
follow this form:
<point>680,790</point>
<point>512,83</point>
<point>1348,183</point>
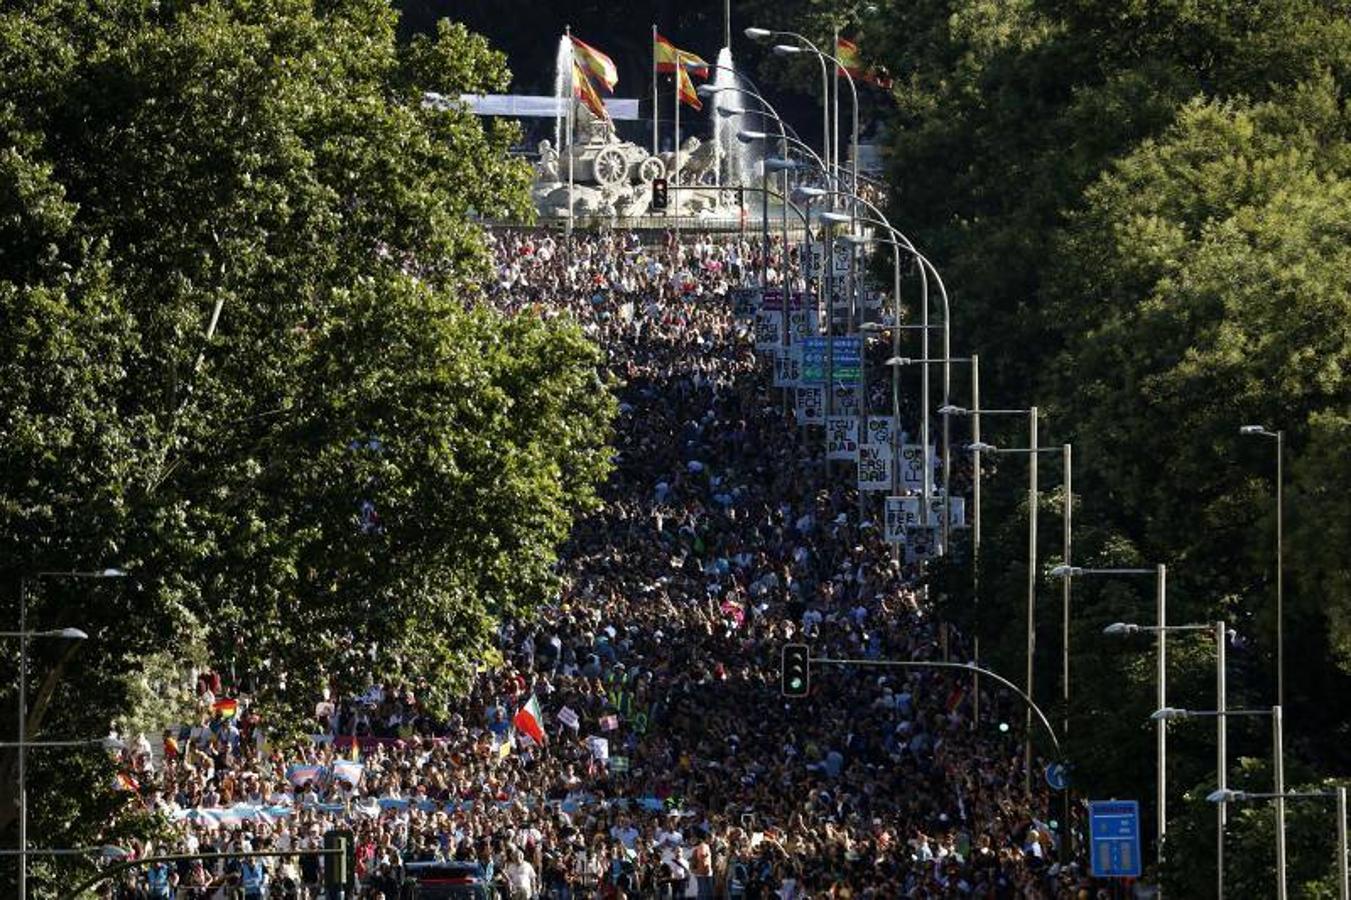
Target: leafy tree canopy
<point>242,357</point>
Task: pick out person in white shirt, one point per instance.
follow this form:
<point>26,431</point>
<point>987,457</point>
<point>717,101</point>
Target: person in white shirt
<point>521,878</point>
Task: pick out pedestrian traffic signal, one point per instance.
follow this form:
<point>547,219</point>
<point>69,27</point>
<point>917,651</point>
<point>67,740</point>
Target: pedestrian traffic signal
<point>340,869</point>
<point>659,196</point>
<point>795,676</point>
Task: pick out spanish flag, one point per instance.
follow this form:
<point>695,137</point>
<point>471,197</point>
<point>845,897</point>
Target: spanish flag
<point>596,63</point>
<point>669,57</point>
<point>585,91</point>
<point>688,95</point>
<point>852,62</point>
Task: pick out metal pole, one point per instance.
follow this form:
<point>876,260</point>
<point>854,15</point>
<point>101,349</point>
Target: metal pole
<point>1221,753</point>
<point>1278,739</point>
<point>975,513</point>
<point>656,110</point>
<point>1031,581</point>
<point>23,737</point>
<point>926,489</point>
<point>1343,884</point>
<point>947,420</point>
<point>1066,539</point>
<point>896,386</point>
<point>1280,567</point>
<point>787,269</point>
<point>764,247</point>
<point>568,121</point>
<point>835,111</point>
<point>1161,600</point>
<point>829,265</point>
<point>676,165</point>
<point>727,23</point>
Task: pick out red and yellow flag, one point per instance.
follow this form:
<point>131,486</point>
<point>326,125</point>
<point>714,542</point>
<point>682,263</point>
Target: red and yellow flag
<point>852,62</point>
<point>225,708</point>
<point>585,91</point>
<point>685,87</point>
<point>596,63</point>
<point>669,57</point>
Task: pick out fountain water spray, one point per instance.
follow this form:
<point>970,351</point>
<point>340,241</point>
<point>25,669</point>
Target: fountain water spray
<point>735,165</point>
<point>562,87</point>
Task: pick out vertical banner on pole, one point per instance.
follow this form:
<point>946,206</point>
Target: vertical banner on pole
<point>811,405</point>
<point>874,467</point>
<point>787,366</point>
<point>912,468</point>
<point>842,437</point>
<point>767,328</point>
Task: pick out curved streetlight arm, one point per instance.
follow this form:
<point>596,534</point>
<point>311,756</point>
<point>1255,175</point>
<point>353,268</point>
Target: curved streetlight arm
<point>825,84</point>
<point>929,664</point>
<point>803,145</point>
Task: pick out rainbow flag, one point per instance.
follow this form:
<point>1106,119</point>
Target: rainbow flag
<point>226,708</point>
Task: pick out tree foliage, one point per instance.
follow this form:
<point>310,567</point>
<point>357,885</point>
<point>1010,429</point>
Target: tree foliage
<point>243,360</point>
<point>1142,212</point>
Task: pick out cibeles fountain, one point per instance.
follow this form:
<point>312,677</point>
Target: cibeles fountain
<point>592,173</point>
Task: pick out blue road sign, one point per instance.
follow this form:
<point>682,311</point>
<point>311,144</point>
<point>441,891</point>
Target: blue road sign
<point>847,360</point>
<point>1057,776</point>
<point>1114,827</point>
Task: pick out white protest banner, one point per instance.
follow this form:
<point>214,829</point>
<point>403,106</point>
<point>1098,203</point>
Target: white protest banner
<point>894,530</point>
<point>768,334</point>
<point>936,505</point>
<point>846,400</point>
<point>922,543</point>
<point>843,251</point>
<point>600,748</point>
<point>880,430</point>
<point>802,323</point>
<point>874,469</point>
<point>787,366</point>
<point>811,405</point>
<point>569,718</point>
<point>842,438</point>
<point>912,467</point>
<point>811,264</point>
<point>745,301</point>
<point>609,723</point>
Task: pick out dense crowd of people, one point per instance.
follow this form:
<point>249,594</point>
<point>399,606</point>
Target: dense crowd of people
<point>671,765</point>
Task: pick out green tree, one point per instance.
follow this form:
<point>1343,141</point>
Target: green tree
<point>243,358</point>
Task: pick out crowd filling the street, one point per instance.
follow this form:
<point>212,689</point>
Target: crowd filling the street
<point>635,742</point>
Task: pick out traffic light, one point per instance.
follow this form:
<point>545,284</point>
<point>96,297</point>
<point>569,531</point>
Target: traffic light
<point>795,676</point>
<point>659,195</point>
<point>340,870</point>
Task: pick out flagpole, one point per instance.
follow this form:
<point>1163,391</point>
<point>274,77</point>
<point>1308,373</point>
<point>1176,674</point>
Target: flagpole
<point>656,115</point>
<point>572,103</point>
<point>676,183</point>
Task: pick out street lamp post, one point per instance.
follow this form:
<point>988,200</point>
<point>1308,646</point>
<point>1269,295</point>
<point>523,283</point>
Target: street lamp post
<point>1160,573</point>
<point>1279,436</point>
<point>761,34</point>
<point>23,635</point>
<point>1033,451</point>
<point>1339,795</point>
<point>1223,795</point>
<point>1221,714</point>
<point>924,263</point>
